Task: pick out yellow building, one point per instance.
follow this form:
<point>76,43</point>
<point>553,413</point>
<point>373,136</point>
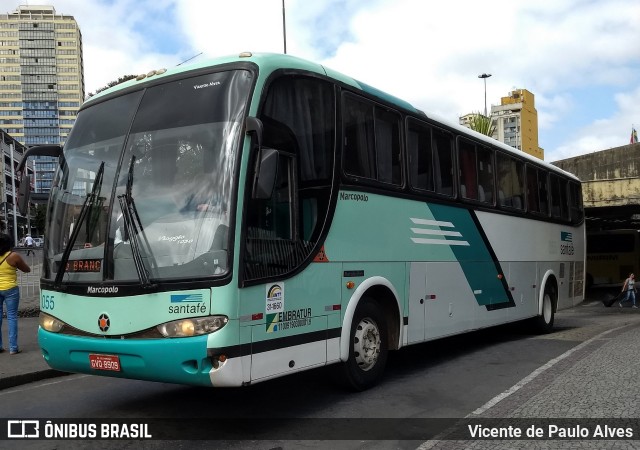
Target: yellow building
<point>41,79</point>
<point>516,121</point>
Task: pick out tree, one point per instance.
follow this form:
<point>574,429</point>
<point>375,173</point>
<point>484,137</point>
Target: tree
<point>482,124</point>
<point>41,211</point>
<point>113,83</point>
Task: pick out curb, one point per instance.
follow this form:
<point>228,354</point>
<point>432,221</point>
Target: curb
<point>18,380</point>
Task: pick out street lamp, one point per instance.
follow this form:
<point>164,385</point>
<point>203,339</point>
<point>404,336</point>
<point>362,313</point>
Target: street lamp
<point>484,76</point>
<point>284,28</point>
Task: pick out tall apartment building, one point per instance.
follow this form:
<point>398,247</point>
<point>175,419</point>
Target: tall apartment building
<point>41,80</point>
<point>516,121</point>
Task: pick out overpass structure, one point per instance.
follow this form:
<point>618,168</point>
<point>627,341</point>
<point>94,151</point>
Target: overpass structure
<point>610,186</point>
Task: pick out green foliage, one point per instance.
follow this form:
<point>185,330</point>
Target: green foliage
<point>41,211</point>
<point>482,124</point>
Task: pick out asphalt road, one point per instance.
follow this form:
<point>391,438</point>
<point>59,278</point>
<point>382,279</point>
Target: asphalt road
<point>448,378</point>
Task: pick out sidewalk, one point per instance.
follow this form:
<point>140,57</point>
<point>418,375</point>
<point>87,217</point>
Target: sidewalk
<point>27,366</point>
<point>594,384</point>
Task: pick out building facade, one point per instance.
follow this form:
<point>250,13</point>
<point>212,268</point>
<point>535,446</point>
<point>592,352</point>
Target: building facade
<point>516,122</point>
<point>41,80</point>
<point>11,221</point>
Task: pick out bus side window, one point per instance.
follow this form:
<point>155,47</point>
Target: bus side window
<point>533,204</point>
<point>443,161</point>
<point>485,175</point>
<point>298,115</point>
<point>510,181</point>
<point>468,173</point>
<point>575,202</point>
<point>387,130</point>
<point>371,141</point>
<point>359,157</point>
<point>420,157</point>
<point>543,187</point>
<point>559,202</point>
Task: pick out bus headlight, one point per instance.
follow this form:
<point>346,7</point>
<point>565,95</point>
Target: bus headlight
<point>192,327</point>
<point>50,323</point>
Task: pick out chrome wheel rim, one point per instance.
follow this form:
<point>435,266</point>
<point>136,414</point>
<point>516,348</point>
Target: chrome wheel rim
<point>366,344</point>
<point>546,308</point>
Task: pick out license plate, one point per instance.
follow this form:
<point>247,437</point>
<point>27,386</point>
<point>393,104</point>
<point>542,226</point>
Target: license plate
<point>105,362</point>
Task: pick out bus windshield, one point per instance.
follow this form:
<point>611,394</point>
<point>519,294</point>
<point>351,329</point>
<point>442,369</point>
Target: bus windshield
<point>144,185</point>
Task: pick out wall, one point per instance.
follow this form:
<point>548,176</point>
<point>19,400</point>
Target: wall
<point>609,177</point>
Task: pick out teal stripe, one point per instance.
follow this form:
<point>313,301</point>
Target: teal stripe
<point>475,259</point>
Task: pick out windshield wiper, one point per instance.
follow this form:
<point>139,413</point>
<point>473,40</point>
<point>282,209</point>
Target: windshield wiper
<point>133,226</point>
<point>90,200</point>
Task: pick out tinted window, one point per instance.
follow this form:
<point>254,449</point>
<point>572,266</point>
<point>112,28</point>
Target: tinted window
<point>371,141</point>
<point>559,200</point>
<point>420,156</point>
<point>485,175</point>
<point>443,161</point>
<point>299,122</point>
<point>468,172</point>
<point>575,202</point>
<point>510,182</point>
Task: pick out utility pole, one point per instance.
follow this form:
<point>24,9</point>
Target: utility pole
<point>13,195</point>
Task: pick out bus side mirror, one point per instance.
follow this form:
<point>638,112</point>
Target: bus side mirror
<point>24,193</point>
<point>24,189</point>
<point>266,176</point>
<point>254,127</point>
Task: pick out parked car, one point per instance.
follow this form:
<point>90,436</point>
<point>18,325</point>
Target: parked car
<point>37,242</point>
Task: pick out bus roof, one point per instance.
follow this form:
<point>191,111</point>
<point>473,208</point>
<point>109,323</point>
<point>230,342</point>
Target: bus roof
<point>268,62</point>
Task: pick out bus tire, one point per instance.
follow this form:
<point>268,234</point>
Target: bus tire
<point>544,322</point>
<point>368,347</point>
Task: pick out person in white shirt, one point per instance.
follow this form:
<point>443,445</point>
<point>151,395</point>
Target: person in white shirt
<point>29,243</point>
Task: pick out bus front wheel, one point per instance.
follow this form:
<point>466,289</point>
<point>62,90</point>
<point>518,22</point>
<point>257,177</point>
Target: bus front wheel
<point>368,347</point>
<point>544,322</point>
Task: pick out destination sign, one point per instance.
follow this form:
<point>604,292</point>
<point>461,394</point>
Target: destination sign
<point>84,265</point>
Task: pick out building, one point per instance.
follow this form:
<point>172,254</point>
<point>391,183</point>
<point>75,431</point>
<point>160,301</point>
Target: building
<point>11,221</point>
<point>610,186</point>
<point>41,80</point>
<point>516,122</point>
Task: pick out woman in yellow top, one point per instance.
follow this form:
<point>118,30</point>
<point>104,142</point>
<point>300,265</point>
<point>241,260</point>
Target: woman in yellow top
<point>9,290</point>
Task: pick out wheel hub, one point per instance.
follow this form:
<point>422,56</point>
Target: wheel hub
<point>366,344</point>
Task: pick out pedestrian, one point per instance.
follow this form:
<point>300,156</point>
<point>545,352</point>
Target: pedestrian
<point>9,290</point>
<point>630,287</point>
<point>28,241</point>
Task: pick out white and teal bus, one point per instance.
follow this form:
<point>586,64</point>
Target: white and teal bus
<point>254,216</point>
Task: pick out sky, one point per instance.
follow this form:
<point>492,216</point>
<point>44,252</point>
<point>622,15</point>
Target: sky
<point>580,58</point>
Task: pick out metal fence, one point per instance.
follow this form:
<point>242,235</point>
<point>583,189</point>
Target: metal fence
<point>30,282</point>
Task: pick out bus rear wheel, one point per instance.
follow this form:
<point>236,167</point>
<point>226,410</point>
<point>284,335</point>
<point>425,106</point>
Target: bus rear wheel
<point>368,347</point>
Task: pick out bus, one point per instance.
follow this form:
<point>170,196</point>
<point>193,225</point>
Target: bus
<point>233,221</point>
<point>611,256</point>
